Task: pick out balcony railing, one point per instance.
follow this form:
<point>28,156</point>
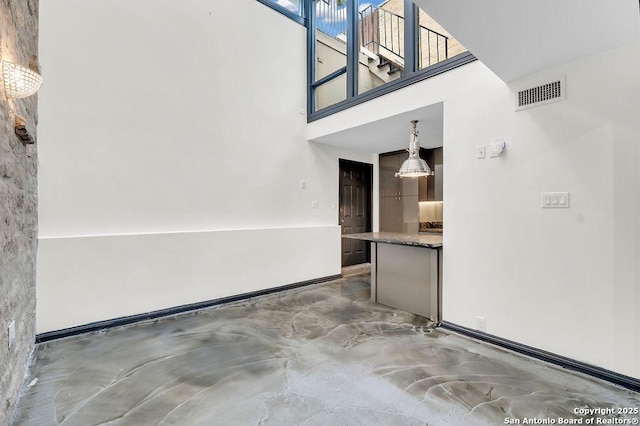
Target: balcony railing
<point>436,49</point>
<point>382,31</point>
<point>331,18</point>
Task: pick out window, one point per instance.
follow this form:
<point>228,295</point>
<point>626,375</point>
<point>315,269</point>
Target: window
<point>359,49</point>
<point>291,8</point>
<point>381,43</point>
<point>330,44</point>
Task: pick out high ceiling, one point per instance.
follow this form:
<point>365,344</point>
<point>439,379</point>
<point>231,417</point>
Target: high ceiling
<point>515,38</point>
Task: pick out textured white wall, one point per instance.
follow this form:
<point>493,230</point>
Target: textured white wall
<point>566,281</point>
<point>176,117</point>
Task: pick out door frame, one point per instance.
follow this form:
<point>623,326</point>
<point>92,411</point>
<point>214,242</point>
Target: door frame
<point>368,168</point>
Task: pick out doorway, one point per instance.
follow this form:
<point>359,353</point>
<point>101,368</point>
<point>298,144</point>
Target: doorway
<point>356,193</point>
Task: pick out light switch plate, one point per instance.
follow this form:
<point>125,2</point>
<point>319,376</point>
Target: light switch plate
<point>555,200</point>
<point>480,151</point>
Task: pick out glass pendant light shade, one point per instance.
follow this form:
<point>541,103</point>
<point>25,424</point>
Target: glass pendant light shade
<point>414,166</point>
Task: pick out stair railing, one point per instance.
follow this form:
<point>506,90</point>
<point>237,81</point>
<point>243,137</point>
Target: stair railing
<point>381,28</point>
<point>382,32</point>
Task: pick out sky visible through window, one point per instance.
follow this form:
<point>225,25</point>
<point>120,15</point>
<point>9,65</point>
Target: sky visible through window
<point>331,16</point>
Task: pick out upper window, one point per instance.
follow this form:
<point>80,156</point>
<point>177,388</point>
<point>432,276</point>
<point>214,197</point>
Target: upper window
<point>292,8</point>
<point>359,49</point>
<point>291,5</point>
<point>360,45</point>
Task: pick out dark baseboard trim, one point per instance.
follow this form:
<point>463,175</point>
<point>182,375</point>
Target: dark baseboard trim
<point>568,363</point>
<point>116,322</point>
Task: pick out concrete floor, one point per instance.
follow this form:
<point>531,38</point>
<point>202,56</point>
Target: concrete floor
<point>320,355</point>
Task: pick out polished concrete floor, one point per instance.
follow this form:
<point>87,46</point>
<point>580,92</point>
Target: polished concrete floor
<point>320,355</point>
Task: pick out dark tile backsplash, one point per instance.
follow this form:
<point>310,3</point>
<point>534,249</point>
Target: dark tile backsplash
<point>430,226</point>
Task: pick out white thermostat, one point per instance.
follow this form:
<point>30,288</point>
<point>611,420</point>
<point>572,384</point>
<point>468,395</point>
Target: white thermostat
<point>497,147</point>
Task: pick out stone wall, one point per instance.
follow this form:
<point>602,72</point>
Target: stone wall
<point>18,206</point>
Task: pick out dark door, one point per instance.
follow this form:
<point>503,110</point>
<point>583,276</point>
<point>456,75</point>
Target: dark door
<point>355,209</point>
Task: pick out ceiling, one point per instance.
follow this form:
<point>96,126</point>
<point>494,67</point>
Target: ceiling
<point>392,133</point>
<point>515,38</point>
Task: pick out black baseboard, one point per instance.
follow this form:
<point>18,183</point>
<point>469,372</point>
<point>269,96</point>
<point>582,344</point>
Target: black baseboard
<point>568,363</point>
<point>116,322</point>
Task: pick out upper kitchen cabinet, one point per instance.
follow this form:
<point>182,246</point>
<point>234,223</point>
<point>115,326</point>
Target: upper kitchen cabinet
<point>430,188</point>
<point>390,185</point>
<point>399,210</point>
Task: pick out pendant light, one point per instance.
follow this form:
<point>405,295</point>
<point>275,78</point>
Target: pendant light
<point>414,166</point>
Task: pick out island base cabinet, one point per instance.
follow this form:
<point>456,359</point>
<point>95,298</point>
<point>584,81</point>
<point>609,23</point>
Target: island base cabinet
<point>406,278</point>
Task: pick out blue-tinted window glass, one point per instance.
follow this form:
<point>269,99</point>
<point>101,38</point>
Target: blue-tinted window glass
<point>381,42</point>
<point>293,6</point>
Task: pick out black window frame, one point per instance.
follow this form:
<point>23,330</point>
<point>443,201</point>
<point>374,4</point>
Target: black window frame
<point>299,18</point>
<point>412,74</point>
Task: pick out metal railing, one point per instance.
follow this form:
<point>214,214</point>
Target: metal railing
<point>369,28</point>
<point>437,47</point>
<point>383,29</point>
<point>331,17</point>
<point>382,32</point>
<point>380,28</point>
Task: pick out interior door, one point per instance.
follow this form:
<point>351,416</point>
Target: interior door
<point>355,209</point>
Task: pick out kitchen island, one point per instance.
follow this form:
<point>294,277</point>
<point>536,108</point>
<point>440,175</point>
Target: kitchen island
<point>405,271</point>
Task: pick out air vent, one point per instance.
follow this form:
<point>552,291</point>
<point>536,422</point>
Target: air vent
<point>543,94</point>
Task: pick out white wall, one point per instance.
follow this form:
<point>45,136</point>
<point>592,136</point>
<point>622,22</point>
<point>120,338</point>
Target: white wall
<point>566,281</point>
<point>150,114</point>
<point>172,146</point>
<point>170,269</point>
<point>562,280</point>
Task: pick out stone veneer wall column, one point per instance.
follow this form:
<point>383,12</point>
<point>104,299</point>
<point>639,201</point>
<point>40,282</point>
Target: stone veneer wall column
<point>18,206</point>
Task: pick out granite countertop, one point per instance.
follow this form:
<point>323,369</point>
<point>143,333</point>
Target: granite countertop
<point>417,240</point>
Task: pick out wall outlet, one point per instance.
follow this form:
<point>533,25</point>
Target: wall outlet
<point>481,324</point>
<point>11,331</point>
<point>314,204</point>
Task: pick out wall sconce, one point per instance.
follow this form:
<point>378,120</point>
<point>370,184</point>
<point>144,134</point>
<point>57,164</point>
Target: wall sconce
<point>19,82</point>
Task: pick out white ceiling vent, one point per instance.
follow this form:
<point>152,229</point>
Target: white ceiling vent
<point>553,91</point>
